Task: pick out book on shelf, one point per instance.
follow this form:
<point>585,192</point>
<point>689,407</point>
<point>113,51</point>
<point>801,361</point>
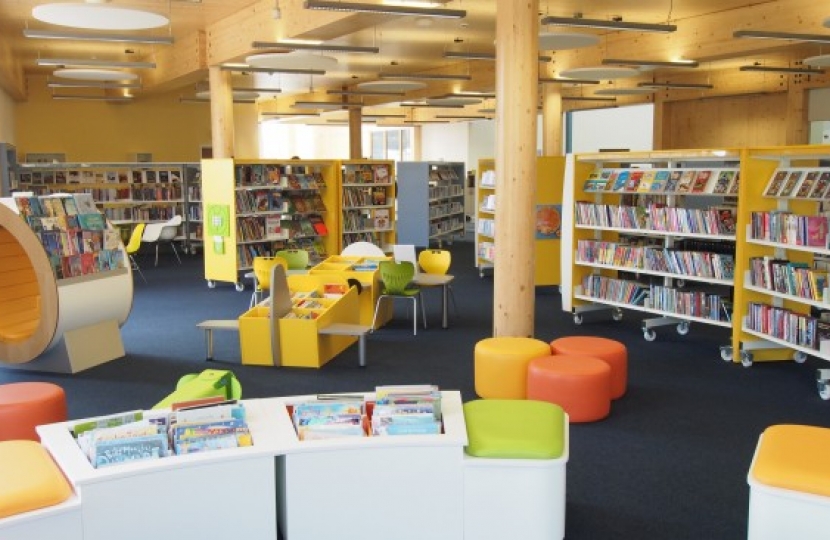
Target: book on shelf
<point>817,231</point>
<point>661,179</point>
<point>646,181</point>
<point>726,220</point>
<point>633,180</point>
<point>273,227</point>
<point>734,185</point>
<point>381,218</point>
<point>820,186</point>
<point>789,187</point>
<point>701,181</point>
<point>722,182</point>
<point>592,182</point>
<point>85,203</point>
<point>806,186</point>
<point>379,196</point>
<point>381,174</point>
<point>620,182</point>
<point>319,225</point>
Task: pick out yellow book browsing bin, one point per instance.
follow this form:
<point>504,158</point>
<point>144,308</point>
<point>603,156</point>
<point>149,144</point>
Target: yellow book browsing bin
<point>300,305</point>
<point>365,271</point>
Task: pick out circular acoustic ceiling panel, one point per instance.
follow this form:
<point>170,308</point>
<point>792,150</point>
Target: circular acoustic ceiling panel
<point>624,91</point>
<point>93,16</point>
<point>454,101</point>
<point>293,60</point>
<point>236,95</point>
<point>559,41</point>
<point>392,86</point>
<point>600,73</point>
<point>818,61</point>
<point>95,74</point>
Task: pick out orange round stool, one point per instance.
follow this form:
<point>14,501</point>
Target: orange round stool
<point>501,365</point>
<point>612,352</point>
<point>579,384</point>
<point>26,405</point>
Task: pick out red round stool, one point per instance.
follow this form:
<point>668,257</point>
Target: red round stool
<point>579,384</point>
<point>612,352</point>
<point>26,405</point>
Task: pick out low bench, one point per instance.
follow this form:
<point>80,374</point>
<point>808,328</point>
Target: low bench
<point>209,326</point>
<point>345,329</point>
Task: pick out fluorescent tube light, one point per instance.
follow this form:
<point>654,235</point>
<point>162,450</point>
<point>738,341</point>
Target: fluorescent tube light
<point>93,98</point>
<point>564,80</point>
<point>675,85</point>
<point>382,116</point>
<point>207,100</point>
<point>256,89</point>
<point>775,69</point>
<point>288,114</point>
<point>92,84</point>
<point>80,62</point>
<point>364,93</point>
<point>608,25</point>
<point>788,36</point>
<point>462,116</point>
<point>650,63</point>
<point>326,105</point>
<point>291,46</point>
<point>251,69</point>
<point>425,76</point>
<point>483,56</point>
<point>587,98</point>
<point>85,36</point>
<point>430,105</point>
<point>482,95</point>
<point>385,9</point>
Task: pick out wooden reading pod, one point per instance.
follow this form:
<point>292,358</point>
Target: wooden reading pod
<point>47,324</point>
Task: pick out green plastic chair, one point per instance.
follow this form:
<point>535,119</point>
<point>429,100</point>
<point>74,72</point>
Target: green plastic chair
<point>397,283</point>
<point>297,259</point>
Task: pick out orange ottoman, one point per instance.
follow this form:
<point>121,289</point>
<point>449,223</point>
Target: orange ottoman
<point>579,384</point>
<point>26,405</point>
<point>612,352</point>
<point>501,365</point>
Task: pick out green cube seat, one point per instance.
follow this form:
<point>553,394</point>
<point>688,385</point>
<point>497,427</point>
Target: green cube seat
<point>514,429</point>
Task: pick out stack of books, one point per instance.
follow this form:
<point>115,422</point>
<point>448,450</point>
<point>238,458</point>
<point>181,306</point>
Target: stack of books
<point>407,410</point>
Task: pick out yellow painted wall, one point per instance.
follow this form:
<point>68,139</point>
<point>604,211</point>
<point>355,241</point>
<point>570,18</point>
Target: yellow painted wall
<point>6,118</point>
<point>99,131</point>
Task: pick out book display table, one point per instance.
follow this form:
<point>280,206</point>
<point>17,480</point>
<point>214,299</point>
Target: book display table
<point>364,270</point>
<point>366,488</point>
<point>55,325</point>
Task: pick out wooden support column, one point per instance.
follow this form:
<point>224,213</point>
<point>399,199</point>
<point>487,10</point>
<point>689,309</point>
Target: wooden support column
<point>658,128</point>
<point>221,112</point>
<point>517,74</point>
<point>355,133</point>
<point>798,126</point>
<point>551,120</point>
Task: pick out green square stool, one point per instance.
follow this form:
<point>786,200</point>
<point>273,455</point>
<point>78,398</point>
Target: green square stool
<point>514,469</point>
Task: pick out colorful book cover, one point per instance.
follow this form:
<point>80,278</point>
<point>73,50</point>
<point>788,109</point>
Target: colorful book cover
<point>91,222</point>
<point>686,179</point>
<point>661,178</point>
<point>646,181</point>
<point>806,186</point>
<point>817,231</point>
<point>591,182</point>
<point>776,182</point>
<point>673,181</point>
<point>735,185</point>
<point>701,181</point>
<point>622,180</point>
<point>790,185</point>
<point>633,180</point>
<point>612,180</point>
<point>382,174</point>
<point>721,186</point>
<point>820,186</point>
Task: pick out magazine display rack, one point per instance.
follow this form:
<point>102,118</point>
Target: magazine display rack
<point>783,258</point>
<point>638,255</point>
<point>548,209</point>
<point>434,195</point>
<point>257,207</point>
<point>367,203</point>
<point>55,325</point>
<point>247,493</point>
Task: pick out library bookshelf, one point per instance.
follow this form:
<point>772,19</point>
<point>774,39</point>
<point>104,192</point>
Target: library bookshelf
<point>367,203</point>
<point>434,195</point>
<point>257,207</point>
<point>550,172</point>
<point>653,232</point>
<point>50,323</point>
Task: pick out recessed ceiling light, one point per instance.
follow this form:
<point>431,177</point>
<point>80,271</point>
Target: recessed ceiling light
<point>94,16</point>
<point>95,74</point>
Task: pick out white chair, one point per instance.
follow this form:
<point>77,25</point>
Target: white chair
<point>166,232</point>
<point>366,249</point>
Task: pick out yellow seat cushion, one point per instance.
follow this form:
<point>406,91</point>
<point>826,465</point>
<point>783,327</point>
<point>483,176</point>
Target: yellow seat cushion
<point>794,457</point>
<point>29,479</point>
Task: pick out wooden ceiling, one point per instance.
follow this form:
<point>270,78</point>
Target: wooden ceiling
<point>211,32</point>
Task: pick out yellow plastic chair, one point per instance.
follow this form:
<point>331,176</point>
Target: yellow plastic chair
<point>262,275</point>
<point>133,246</point>
<point>437,261</point>
<point>297,259</point>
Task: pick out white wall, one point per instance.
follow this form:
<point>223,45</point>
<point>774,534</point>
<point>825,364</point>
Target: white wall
<point>7,133</point>
<point>279,140</point>
<point>630,128</point>
<point>444,142</point>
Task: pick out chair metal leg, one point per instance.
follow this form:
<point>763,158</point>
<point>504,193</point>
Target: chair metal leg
<point>137,268</point>
<point>452,297</point>
<point>423,311</point>
<point>175,252</point>
<point>377,307</point>
<point>415,315</point>
<point>157,253</point>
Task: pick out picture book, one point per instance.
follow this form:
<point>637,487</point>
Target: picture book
<point>262,200</point>
<point>661,178</point>
<point>686,179</point>
<point>726,220</point>
<point>622,180</point>
<point>817,231</point>
<point>672,181</point>
<point>612,180</point>
<point>91,222</point>
<point>276,202</point>
<point>319,225</point>
<point>789,187</point>
<point>806,186</point>
<point>735,184</point>
<point>70,206</point>
<point>85,203</point>
<point>379,196</point>
<point>273,227</point>
<point>776,182</point>
<point>633,181</point>
<point>722,182</point>
<point>112,239</point>
<point>646,181</point>
<point>592,182</point>
<point>820,186</point>
<point>382,174</point>
<point>701,181</point>
<point>381,218</point>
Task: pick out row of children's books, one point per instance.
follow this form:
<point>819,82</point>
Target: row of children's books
<point>134,176</point>
<point>283,176</point>
<point>376,173</point>
<point>799,183</point>
<point>669,181</point>
<point>188,428</point>
<point>396,410</point>
<point>788,277</point>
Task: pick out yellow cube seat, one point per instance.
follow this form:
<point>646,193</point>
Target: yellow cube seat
<point>30,479</point>
<point>501,365</point>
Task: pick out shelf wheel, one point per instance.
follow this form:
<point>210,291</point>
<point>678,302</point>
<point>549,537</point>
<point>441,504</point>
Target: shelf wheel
<point>799,357</point>
<point>211,284</point>
<point>680,283</point>
<point>823,384</point>
<point>240,287</point>
<point>617,314</point>
<point>824,391</point>
<point>683,328</point>
<point>746,359</point>
<point>726,353</point>
<point>578,318</point>
<point>649,334</point>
